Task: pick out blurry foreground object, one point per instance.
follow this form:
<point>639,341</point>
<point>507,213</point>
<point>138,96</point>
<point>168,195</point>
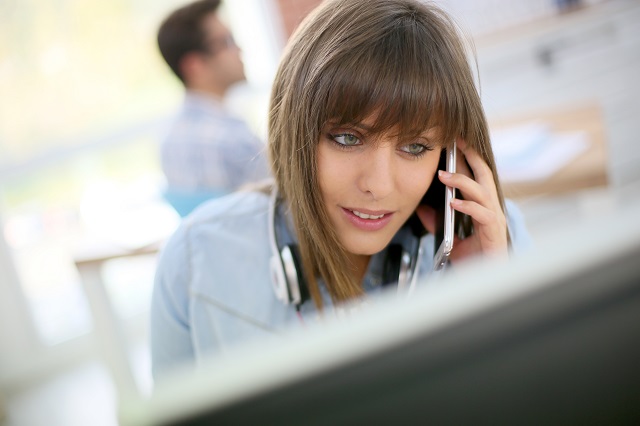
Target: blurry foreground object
<point>551,337</point>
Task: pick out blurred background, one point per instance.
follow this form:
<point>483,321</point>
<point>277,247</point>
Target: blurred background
<point>85,97</point>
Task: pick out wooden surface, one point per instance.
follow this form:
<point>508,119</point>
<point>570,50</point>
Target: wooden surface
<point>587,170</point>
<point>100,252</point>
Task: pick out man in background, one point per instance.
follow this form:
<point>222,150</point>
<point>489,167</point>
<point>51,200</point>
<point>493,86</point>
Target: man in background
<point>207,151</point>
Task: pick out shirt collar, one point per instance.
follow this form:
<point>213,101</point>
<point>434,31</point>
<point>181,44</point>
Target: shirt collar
<point>202,100</point>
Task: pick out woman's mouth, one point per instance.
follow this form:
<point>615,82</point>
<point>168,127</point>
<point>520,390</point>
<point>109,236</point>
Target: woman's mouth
<point>368,221</point>
<point>367,216</point>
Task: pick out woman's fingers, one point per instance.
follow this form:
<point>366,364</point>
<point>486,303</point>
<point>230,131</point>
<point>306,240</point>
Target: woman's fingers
<point>461,164</point>
<point>475,184</point>
<point>481,171</point>
<point>471,190</point>
<point>480,214</point>
<point>474,179</point>
<point>490,225</point>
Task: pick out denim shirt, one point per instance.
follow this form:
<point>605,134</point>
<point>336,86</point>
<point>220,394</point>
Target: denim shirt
<point>213,286</point>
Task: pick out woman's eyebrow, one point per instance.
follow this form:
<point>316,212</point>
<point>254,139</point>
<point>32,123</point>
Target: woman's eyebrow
<point>360,126</point>
<point>363,126</point>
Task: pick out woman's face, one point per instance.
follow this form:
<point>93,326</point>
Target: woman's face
<point>371,184</point>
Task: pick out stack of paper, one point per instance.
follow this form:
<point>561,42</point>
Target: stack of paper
<point>532,152</point>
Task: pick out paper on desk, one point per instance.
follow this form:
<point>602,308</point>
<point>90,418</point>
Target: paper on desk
<point>532,152</point>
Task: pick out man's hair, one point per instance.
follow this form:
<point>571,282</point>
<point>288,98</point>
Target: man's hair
<point>181,32</point>
<point>404,61</point>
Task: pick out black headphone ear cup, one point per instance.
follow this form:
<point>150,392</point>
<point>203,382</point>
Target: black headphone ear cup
<point>399,265</point>
<point>391,267</point>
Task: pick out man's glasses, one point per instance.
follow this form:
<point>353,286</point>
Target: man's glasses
<point>217,45</point>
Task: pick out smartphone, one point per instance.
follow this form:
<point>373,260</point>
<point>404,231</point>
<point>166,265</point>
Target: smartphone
<point>439,197</point>
<point>445,217</point>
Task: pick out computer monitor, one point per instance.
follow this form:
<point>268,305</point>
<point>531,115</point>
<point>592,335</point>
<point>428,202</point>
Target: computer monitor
<point>551,337</point>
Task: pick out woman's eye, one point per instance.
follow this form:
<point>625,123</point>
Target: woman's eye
<point>415,148</point>
<point>346,139</point>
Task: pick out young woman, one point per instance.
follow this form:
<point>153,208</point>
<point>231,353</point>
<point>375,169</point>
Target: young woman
<point>368,95</point>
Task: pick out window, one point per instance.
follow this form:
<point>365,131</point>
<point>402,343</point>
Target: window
<point>84,97</point>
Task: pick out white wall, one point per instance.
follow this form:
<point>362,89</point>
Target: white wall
<point>258,30</point>
<point>481,17</point>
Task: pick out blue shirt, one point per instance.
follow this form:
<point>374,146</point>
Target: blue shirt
<point>207,150</point>
<point>213,288</point>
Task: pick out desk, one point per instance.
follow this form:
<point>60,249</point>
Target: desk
<point>588,170</point>
<point>107,325</point>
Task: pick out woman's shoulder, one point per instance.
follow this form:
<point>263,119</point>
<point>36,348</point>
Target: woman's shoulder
<point>520,237</point>
<point>229,207</point>
<point>242,213</point>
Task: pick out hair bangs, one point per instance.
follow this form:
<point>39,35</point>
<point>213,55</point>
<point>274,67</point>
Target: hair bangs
<point>394,80</point>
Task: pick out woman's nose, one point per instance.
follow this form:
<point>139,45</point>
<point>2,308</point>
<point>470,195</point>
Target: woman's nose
<point>378,172</point>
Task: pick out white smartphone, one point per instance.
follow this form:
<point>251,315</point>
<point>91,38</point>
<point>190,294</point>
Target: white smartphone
<point>444,250</point>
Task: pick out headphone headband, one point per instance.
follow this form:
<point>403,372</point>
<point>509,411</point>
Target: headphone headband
<point>286,278</point>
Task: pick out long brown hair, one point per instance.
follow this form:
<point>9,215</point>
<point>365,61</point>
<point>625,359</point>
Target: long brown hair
<point>347,60</point>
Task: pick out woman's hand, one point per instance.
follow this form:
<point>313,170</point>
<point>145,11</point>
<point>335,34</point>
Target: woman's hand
<point>480,202</point>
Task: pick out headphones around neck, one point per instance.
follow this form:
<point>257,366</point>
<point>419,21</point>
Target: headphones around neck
<point>287,279</point>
